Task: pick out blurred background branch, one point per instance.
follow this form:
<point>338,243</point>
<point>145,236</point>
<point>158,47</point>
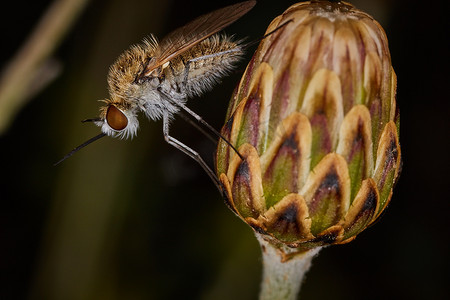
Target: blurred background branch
<point>32,69</point>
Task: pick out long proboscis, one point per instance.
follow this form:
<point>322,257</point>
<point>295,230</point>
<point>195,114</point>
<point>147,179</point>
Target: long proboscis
<point>76,149</point>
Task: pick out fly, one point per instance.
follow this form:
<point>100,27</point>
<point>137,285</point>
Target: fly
<point>157,79</point>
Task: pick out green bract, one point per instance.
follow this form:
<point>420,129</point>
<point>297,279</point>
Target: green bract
<point>315,120</point>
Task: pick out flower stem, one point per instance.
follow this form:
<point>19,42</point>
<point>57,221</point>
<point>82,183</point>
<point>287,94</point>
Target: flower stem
<point>282,278</point>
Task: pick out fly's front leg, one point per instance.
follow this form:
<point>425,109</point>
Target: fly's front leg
<point>188,151</point>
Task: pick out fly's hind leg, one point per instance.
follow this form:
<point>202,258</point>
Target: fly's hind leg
<point>188,151</point>
<point>206,124</point>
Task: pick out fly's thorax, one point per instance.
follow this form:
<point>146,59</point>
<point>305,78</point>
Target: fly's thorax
<point>205,64</point>
<point>122,74</point>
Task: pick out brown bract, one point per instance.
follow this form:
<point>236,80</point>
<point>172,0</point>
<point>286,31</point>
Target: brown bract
<point>315,120</point>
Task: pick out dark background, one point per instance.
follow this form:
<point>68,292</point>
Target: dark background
<point>139,220</point>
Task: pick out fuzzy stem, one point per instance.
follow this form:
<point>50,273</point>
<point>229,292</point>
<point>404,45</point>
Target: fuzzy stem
<point>282,279</point>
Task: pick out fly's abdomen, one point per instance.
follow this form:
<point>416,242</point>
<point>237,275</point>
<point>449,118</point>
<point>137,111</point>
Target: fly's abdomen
<point>205,64</point>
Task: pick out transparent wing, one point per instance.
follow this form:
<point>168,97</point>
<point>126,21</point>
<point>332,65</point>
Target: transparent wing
<point>184,38</point>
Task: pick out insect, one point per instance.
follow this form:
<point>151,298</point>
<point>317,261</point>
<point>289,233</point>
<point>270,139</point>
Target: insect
<point>158,78</point>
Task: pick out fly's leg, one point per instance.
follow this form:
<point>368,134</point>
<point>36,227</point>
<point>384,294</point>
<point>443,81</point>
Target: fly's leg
<point>188,151</point>
<point>183,115</point>
<point>204,123</point>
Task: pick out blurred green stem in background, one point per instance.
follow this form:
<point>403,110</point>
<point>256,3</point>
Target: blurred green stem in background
<point>31,69</point>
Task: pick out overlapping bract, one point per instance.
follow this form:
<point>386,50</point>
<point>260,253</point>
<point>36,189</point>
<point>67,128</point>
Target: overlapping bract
<point>315,119</point>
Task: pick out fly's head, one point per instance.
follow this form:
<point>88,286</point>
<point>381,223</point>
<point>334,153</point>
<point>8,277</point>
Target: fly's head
<point>118,119</point>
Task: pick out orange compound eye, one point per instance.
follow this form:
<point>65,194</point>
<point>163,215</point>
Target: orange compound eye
<point>115,118</point>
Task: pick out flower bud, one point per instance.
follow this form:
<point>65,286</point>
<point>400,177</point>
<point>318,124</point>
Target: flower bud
<point>315,120</point>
